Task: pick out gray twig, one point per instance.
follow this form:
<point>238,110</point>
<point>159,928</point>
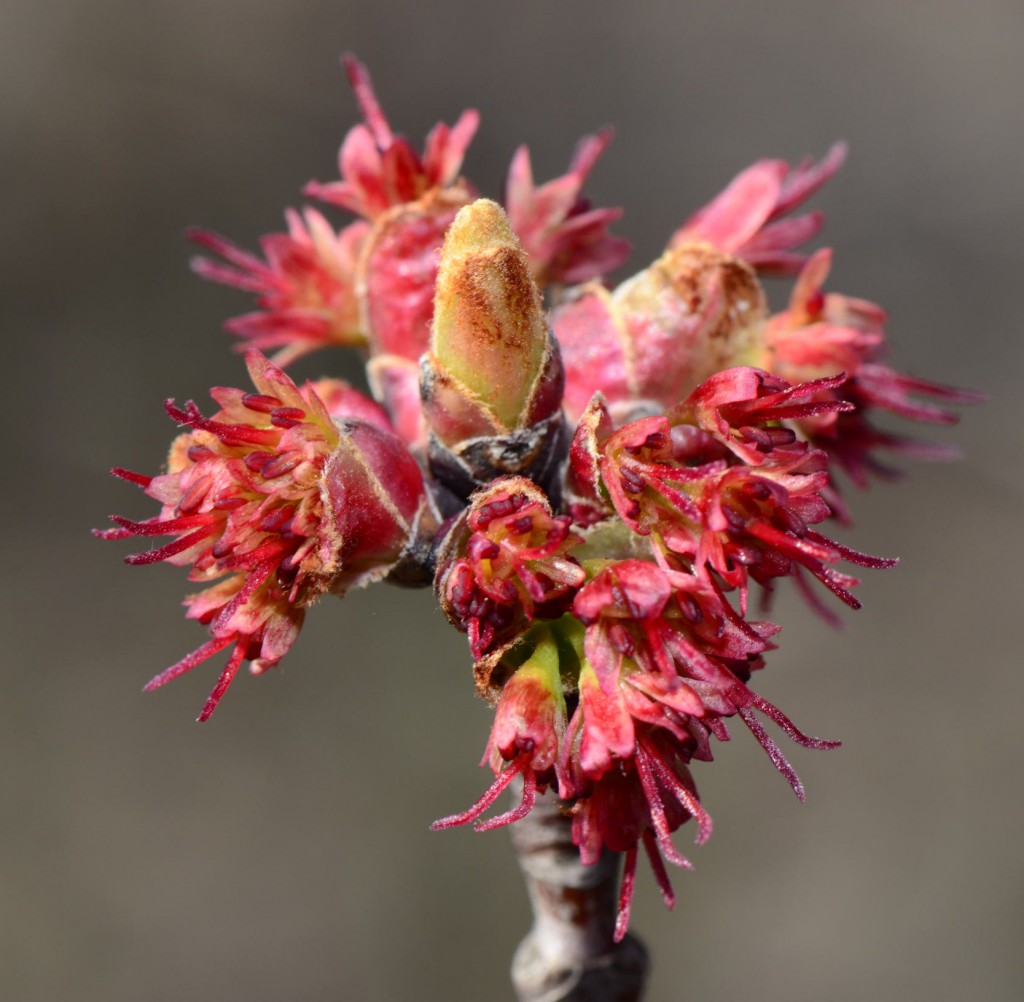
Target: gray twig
<point>570,955</point>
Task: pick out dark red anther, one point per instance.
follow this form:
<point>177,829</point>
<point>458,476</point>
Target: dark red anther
<point>229,502</point>
<point>274,519</point>
<point>221,548</point>
<point>481,548</point>
<point>633,481</point>
<point>462,584</point>
<point>790,521</point>
<point>758,436</point>
<point>195,495</point>
<point>196,453</point>
<point>747,556</point>
<point>498,508</point>
<point>500,615</point>
<point>758,490</point>
<point>255,461</point>
<point>690,608</point>
<point>282,464</point>
<point>287,417</point>
<point>506,592</point>
<point>521,525</point>
<point>782,436</point>
<point>621,640</point>
<point>260,402</point>
<point>624,599</point>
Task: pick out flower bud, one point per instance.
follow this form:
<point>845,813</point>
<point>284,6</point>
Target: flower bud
<point>373,504</point>
<point>660,333</point>
<point>397,272</point>
<point>583,493</point>
<point>530,718</point>
<point>505,563</point>
<point>492,381</point>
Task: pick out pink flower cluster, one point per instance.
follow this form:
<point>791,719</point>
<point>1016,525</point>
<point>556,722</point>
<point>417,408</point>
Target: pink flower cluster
<point>591,476</point>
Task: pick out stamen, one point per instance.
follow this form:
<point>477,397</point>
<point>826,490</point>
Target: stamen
<point>492,793</point>
<point>661,877</point>
<point>188,662</point>
<point>171,549</point>
<point>140,479</point>
<point>772,711</point>
<point>625,894</point>
<point>262,403</point>
<point>657,809</point>
<point>226,677</point>
<point>774,752</point>
<point>687,798</point>
<point>157,527</point>
<point>521,810</point>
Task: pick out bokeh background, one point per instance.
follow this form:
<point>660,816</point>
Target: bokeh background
<point>281,851</point>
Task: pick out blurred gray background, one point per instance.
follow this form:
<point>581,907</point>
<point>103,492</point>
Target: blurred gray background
<point>281,851</point>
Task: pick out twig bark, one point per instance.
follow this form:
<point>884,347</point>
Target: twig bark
<point>570,955</point>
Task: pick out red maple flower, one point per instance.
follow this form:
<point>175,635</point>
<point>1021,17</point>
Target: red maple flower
<point>305,288</point>
<point>746,219</point>
<point>642,799</point>
<point>665,663</point>
<point>664,649</point>
<point>640,615</point>
<point>743,408</point>
<point>567,240</point>
<point>272,505</point>
<point>512,564</point>
<point>380,170</point>
<point>525,738</point>
<point>823,333</point>
<point>729,488</point>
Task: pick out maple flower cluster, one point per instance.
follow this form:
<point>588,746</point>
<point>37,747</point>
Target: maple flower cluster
<point>591,476</point>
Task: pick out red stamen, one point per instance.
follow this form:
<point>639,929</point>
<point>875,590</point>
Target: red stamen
<point>687,798</point>
<point>661,877</point>
<point>359,78</point>
<point>155,527</point>
<point>171,549</point>
<point>226,677</point>
<point>625,894</point>
<point>188,662</point>
<point>793,732</point>
<point>657,809</point>
<point>492,793</point>
<point>774,752</point>
<point>140,479</point>
<point>518,812</point>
